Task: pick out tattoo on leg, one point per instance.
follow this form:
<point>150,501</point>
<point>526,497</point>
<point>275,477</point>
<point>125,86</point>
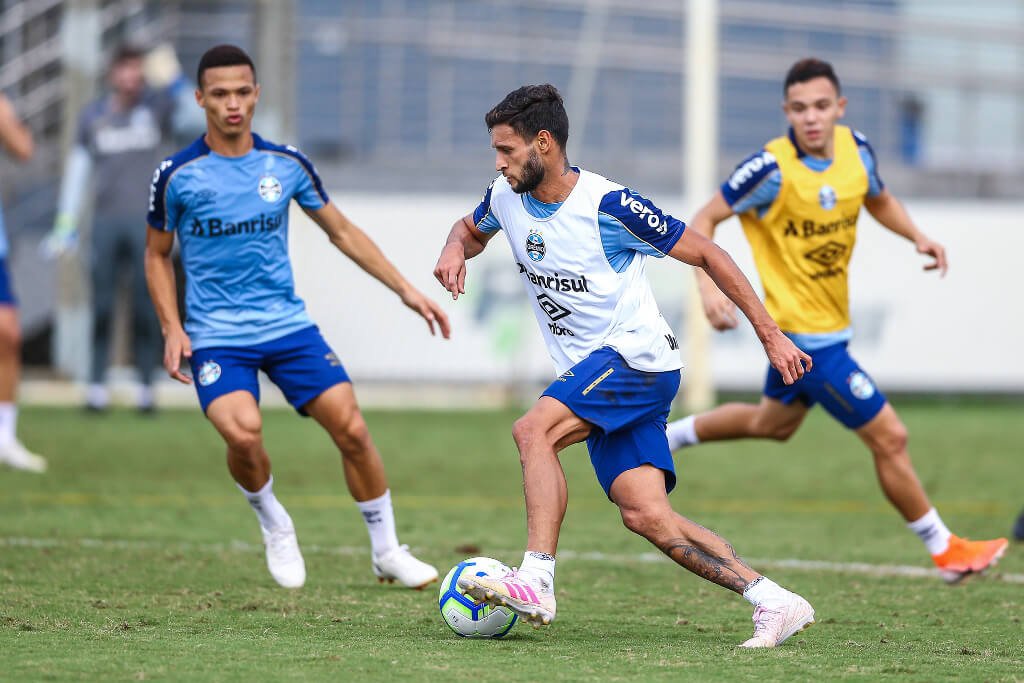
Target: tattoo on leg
<point>714,568</point>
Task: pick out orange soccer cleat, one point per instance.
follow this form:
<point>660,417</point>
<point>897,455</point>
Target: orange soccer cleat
<point>963,557</point>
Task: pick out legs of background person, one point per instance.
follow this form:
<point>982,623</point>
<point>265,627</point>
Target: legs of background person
<point>769,419</point>
<point>105,266</point>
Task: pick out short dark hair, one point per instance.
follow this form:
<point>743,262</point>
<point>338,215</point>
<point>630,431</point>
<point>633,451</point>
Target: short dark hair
<point>810,68</point>
<point>223,55</point>
<point>126,52</point>
<point>531,109</point>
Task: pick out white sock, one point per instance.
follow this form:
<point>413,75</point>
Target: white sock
<point>682,432</point>
<point>380,523</point>
<point>271,513</point>
<point>145,397</point>
<point>8,423</point>
<point>540,566</point>
<point>763,592</point>
<point>97,396</point>
<point>932,531</point>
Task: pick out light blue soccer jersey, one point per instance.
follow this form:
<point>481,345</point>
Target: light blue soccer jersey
<point>231,216</point>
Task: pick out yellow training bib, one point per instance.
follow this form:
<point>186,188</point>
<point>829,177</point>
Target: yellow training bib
<point>803,243</point>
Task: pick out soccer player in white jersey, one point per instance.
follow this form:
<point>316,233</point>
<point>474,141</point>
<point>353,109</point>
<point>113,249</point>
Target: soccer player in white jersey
<point>580,244</point>
<point>227,196</point>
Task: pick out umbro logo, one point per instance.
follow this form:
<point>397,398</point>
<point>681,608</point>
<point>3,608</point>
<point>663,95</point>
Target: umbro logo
<point>555,310</point>
<point>827,254</point>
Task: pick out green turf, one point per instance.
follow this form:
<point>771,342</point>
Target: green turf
<point>135,558</point>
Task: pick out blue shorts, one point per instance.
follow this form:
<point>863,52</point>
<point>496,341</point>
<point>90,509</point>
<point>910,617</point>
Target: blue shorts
<point>837,382</point>
<point>628,408</point>
<point>7,297</point>
<point>301,364</point>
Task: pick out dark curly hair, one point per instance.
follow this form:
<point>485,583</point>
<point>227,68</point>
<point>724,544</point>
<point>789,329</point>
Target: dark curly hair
<point>531,109</point>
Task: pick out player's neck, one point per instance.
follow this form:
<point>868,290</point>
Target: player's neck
<point>229,146</point>
<point>555,187</point>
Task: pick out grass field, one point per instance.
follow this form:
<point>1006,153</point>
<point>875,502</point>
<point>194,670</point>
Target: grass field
<point>135,558</point>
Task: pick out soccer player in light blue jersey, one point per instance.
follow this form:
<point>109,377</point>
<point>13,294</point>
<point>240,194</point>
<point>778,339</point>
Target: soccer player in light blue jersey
<point>226,198</point>
<point>16,139</point>
<point>580,244</point>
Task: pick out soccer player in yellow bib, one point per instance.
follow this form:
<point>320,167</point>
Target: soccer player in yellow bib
<point>798,200</point>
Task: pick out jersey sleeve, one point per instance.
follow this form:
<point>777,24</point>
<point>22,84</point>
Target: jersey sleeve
<point>163,212</point>
<point>484,220</point>
<point>632,222</point>
<point>754,184</point>
<point>867,155</point>
<point>309,192</point>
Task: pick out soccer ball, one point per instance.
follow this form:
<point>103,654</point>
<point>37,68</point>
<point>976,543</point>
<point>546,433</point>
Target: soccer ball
<point>466,617</point>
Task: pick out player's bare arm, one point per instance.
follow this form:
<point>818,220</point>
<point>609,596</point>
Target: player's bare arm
<point>163,292</point>
<point>891,213</point>
<point>697,250</point>
<point>15,136</point>
<point>718,308</point>
<point>464,242</point>
<point>357,245</point>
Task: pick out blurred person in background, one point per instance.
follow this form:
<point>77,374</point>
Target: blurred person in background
<point>121,137</point>
<point>16,139</point>
<point>798,200</point>
<point>1018,528</point>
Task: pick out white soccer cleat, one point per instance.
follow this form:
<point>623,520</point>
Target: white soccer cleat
<point>16,456</point>
<point>284,560</point>
<point>399,565</point>
<point>532,600</point>
<point>773,626</point>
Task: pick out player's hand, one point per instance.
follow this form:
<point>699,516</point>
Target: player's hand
<point>785,357</point>
<point>936,251</point>
<point>429,311</point>
<point>177,345</point>
<point>719,309</point>
<point>63,239</point>
<point>450,270</point>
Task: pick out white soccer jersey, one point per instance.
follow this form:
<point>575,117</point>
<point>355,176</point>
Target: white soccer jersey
<point>583,269</point>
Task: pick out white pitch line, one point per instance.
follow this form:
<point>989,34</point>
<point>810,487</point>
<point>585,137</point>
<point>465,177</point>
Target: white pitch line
<point>860,568</point>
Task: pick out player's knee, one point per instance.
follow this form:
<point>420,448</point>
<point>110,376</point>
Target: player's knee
<point>353,436</point>
<point>10,339</point>
<point>776,431</point>
<point>245,436</point>
<point>893,441</point>
<point>244,442</point>
<point>641,520</point>
<point>524,432</point>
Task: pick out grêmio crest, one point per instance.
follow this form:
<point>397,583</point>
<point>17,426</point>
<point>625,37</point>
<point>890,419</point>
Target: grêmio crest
<point>535,247</point>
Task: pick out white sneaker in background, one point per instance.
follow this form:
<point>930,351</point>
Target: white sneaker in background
<point>284,560</point>
<point>15,455</point>
<point>399,565</point>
